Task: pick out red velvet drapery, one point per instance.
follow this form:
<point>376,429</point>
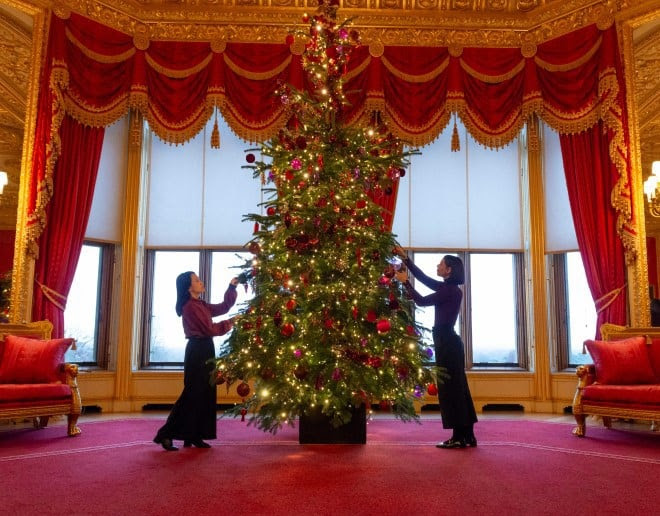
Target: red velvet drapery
<point>68,212</point>
<point>590,177</point>
<point>95,74</point>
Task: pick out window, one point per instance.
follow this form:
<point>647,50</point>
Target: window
<point>164,340</point>
<point>87,313</point>
<point>572,309</point>
<point>491,323</point>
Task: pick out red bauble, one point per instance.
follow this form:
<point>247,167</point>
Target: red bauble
<point>267,373</point>
<point>410,330</point>
<point>220,378</point>
<point>432,389</point>
<point>271,210</point>
<point>287,329</point>
<point>375,362</point>
<point>360,203</point>
<point>383,326</point>
<point>328,323</point>
<point>243,390</point>
<point>277,318</point>
<point>300,372</point>
<point>384,280</point>
<point>371,316</point>
<point>291,305</point>
<point>289,39</point>
<point>250,158</point>
<point>289,175</point>
<point>354,310</point>
<point>256,227</point>
<point>305,18</point>
<point>254,248</point>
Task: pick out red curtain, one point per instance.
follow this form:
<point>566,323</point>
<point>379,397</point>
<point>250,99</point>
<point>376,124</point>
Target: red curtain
<point>68,213</point>
<point>590,178</point>
<point>574,82</point>
<point>95,74</point>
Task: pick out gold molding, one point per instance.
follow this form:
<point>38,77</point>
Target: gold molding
<point>23,265</point>
<point>494,23</point>
<point>637,272</point>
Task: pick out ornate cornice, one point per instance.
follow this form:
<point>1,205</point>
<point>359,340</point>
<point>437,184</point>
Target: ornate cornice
<point>392,22</point>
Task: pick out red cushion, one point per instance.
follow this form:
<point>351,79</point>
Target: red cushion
<point>621,362</point>
<point>33,391</point>
<point>648,395</point>
<point>27,360</point>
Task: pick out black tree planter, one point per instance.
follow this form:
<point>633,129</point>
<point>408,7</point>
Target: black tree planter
<point>316,428</point>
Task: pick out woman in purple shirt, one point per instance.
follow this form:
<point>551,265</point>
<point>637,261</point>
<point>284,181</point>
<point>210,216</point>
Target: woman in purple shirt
<point>456,404</point>
<point>193,417</point>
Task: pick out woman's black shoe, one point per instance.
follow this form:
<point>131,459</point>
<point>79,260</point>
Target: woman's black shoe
<point>471,441</point>
<point>452,443</point>
<point>197,443</point>
<point>166,443</point>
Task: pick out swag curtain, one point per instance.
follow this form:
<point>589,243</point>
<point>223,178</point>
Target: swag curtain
<point>95,74</point>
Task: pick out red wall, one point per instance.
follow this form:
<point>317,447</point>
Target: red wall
<point>7,238</point>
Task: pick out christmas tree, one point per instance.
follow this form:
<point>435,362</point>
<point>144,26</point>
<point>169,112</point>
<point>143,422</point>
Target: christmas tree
<point>328,325</point>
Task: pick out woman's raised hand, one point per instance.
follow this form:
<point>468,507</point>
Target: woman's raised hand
<point>399,251</point>
<point>401,276</point>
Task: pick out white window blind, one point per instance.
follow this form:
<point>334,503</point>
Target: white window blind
<point>198,195</point>
<point>106,214</point>
<point>559,227</point>
<point>461,200</point>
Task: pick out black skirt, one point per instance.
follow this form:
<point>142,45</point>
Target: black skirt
<point>194,413</point>
<point>456,406</point>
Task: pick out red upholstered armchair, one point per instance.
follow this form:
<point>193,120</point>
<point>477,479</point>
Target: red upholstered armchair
<point>624,380</point>
<point>35,382</point>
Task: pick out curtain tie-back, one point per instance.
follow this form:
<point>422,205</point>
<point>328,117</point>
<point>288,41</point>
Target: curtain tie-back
<point>53,296</point>
<point>609,298</point>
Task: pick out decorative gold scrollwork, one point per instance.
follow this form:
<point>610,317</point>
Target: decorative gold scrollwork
<point>376,48</point>
<point>141,37</point>
<point>528,49</point>
<point>218,46</point>
<point>455,50</point>
<point>297,47</point>
<point>62,11</point>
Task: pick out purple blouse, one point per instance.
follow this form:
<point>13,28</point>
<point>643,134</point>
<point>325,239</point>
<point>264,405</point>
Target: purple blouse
<point>197,316</point>
<point>446,296</point>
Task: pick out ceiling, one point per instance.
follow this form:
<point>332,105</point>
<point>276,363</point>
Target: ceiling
<point>401,15</point>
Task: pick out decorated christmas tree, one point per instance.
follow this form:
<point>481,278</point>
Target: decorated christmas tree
<point>328,325</point>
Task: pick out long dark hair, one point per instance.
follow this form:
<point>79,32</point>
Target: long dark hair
<point>183,282</point>
<point>457,276</point>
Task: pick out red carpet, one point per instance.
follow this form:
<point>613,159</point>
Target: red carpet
<point>519,467</point>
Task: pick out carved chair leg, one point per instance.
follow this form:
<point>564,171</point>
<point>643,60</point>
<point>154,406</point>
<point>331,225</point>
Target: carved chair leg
<point>580,430</point>
<point>607,422</point>
<point>72,429</point>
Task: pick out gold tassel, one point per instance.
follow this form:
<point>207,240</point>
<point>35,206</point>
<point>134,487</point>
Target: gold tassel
<point>455,141</point>
<point>215,134</point>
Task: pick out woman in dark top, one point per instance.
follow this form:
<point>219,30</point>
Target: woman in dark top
<point>193,416</point>
<point>454,396</point>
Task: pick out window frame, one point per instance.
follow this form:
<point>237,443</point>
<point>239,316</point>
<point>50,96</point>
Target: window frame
<point>103,317</point>
<point>465,315</point>
<point>204,271</point>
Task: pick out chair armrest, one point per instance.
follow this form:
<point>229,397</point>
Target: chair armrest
<point>586,375</point>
